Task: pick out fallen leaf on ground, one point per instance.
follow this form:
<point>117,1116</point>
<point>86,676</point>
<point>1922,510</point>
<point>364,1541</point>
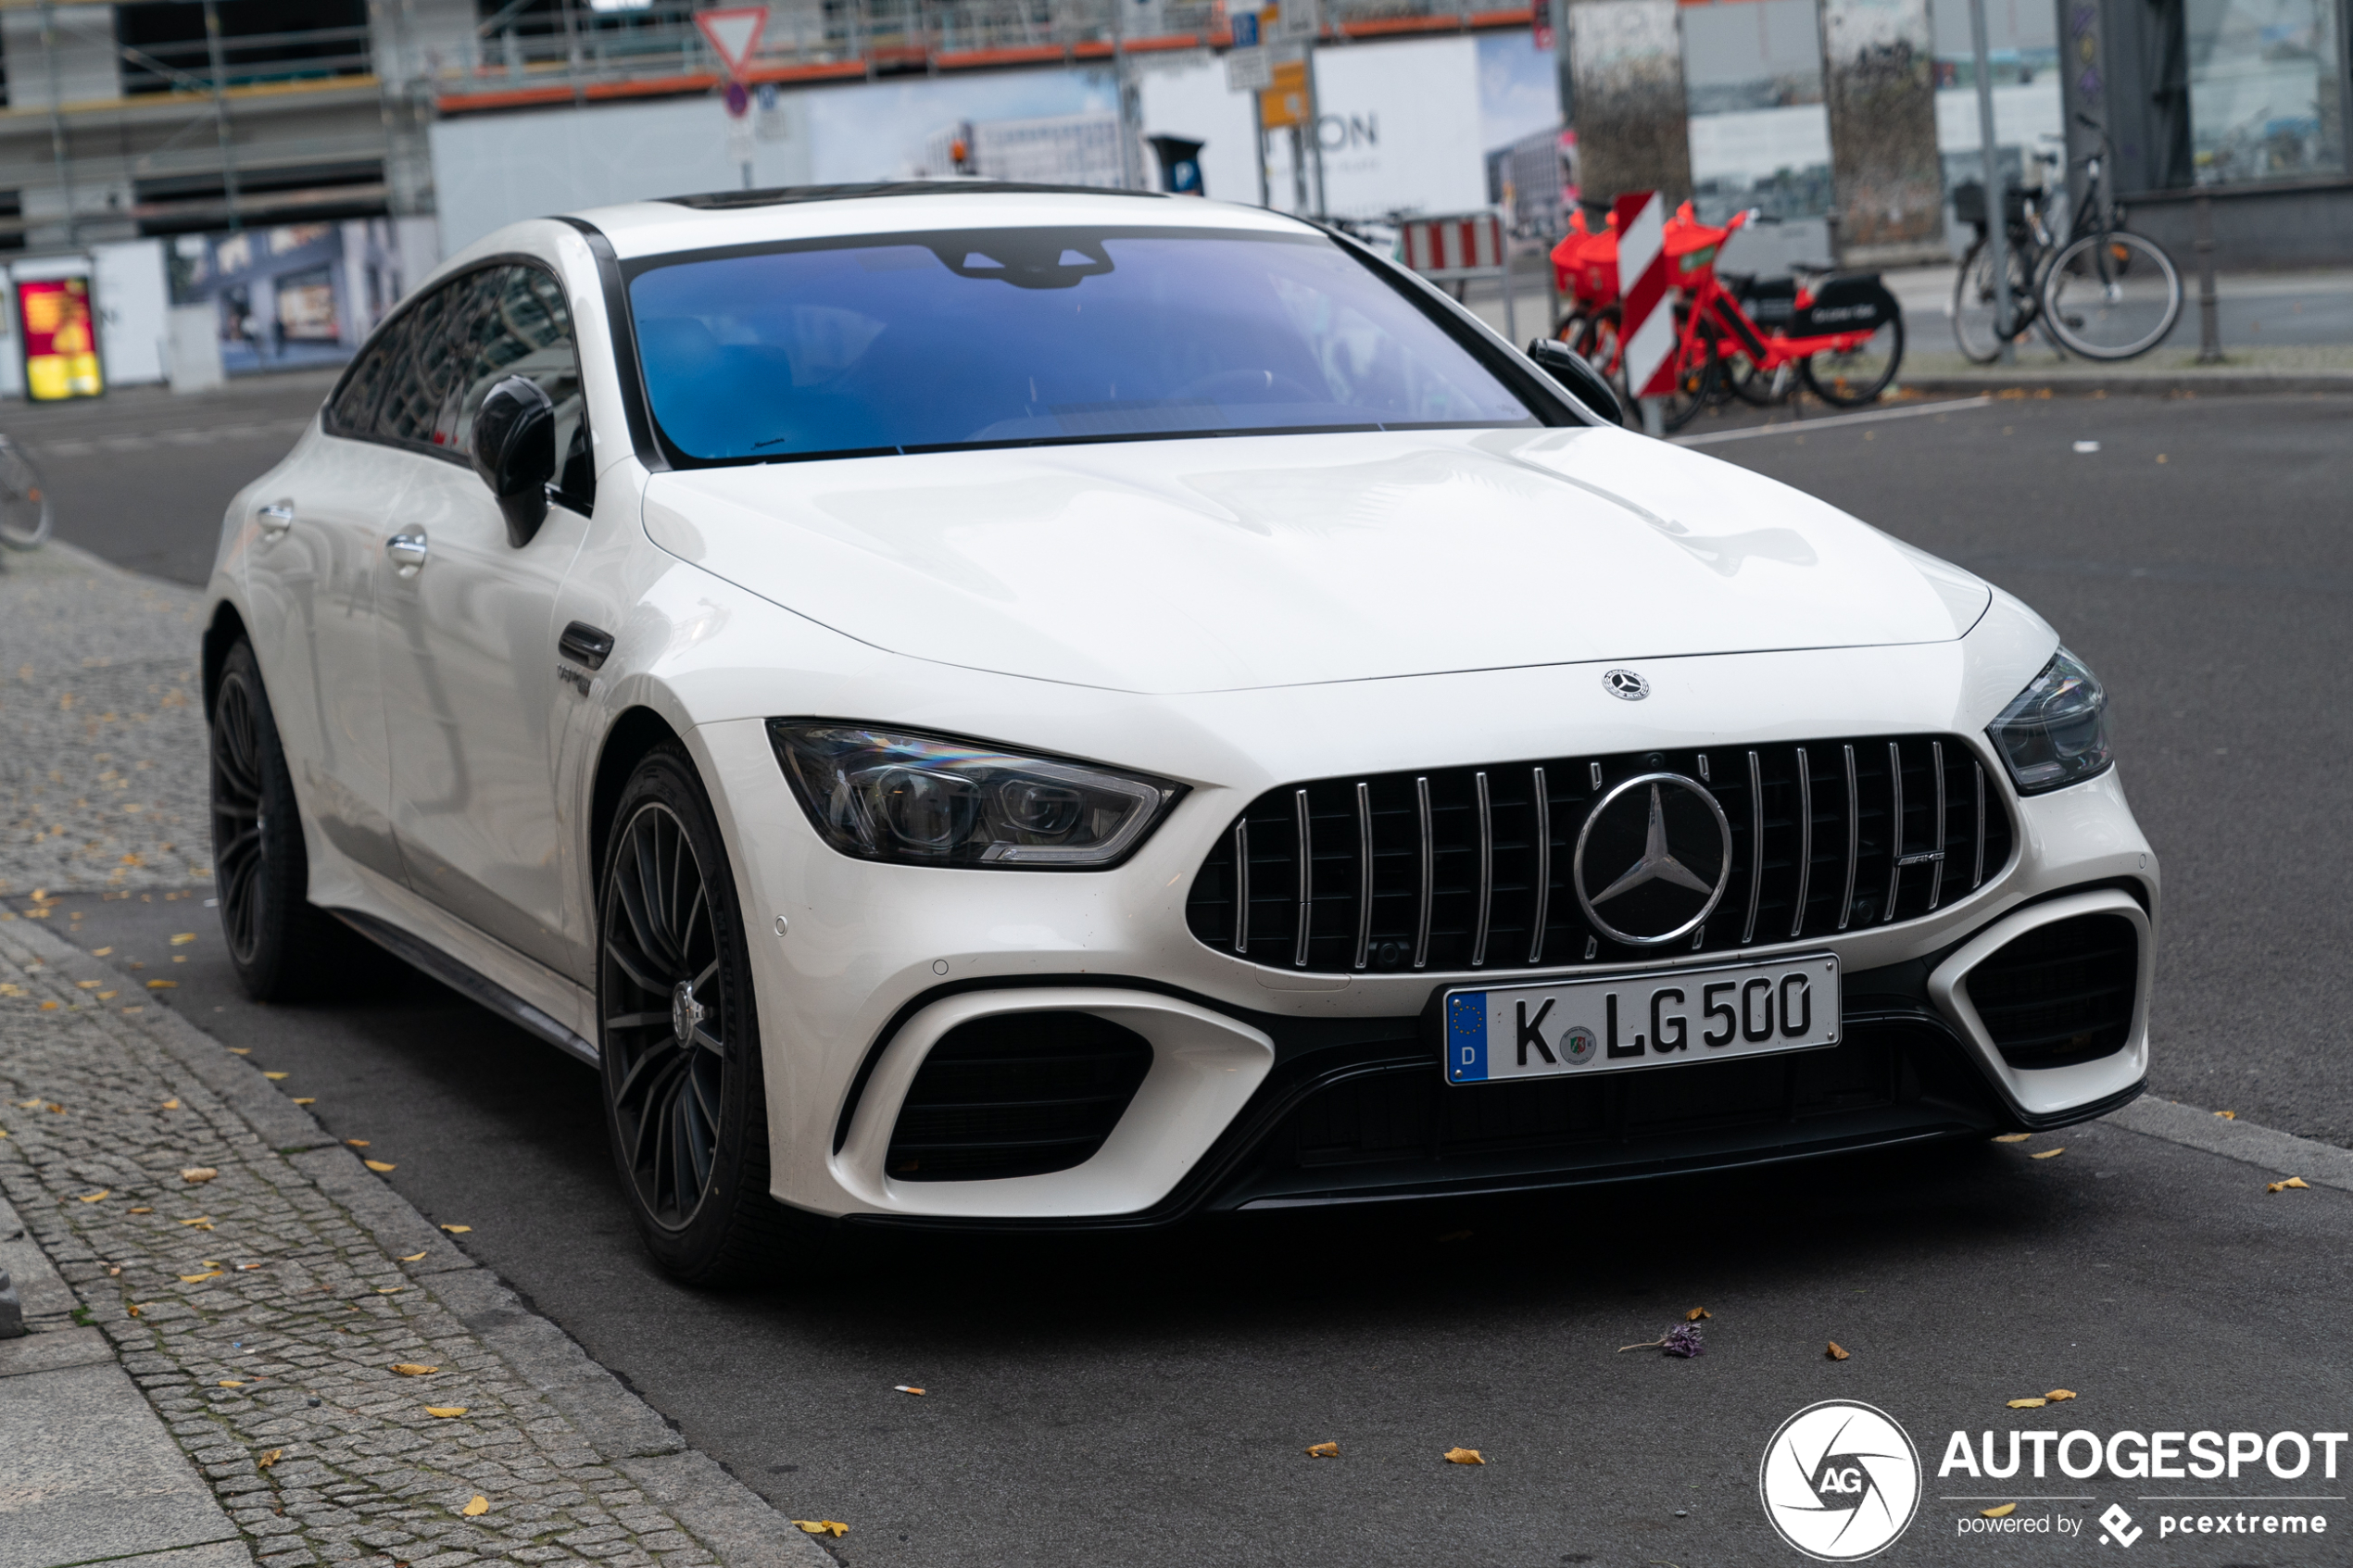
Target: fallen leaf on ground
<point>100,952</point>
<point>94,1197</point>
<point>905,1388</point>
<point>2046,1154</point>
<point>2059,1396</point>
<point>1324,1450</point>
<point>412,1257</point>
<point>163,985</point>
<point>199,1279</point>
<point>310,1099</point>
<point>2227,1115</point>
<point>2001,1513</point>
<point>87,985</point>
<point>411,1369</point>
<point>198,1173</point>
<point>378,1166</point>
<point>2013,1137</point>
<point>230,1383</point>
<point>1697,1313</point>
<point>202,1221</point>
<point>1837,1353</point>
<point>2297,1182</point>
<point>108,996</point>
<point>388,1289</point>
<point>266,1461</point>
<point>1464,1456</point>
<point>477,1509</point>
<point>833,1527</point>
<point>357,1143</point>
<point>239,1050</point>
<point>144,1209</point>
<point>171,1104</point>
<point>445,1411</point>
<point>273,1077</point>
<point>457,1230</point>
<point>50,1007</point>
<point>134,1308</point>
<point>183,938</point>
<point>2036,1404</point>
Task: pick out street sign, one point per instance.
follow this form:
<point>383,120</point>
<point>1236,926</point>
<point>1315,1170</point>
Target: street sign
<point>1283,102</point>
<point>1245,27</point>
<point>1646,319</point>
<point>733,33</point>
<point>1295,20</point>
<point>1249,71</point>
<point>737,99</point>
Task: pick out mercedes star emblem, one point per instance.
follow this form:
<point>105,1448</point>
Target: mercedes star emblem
<point>1626,684</point>
<point>1676,846</point>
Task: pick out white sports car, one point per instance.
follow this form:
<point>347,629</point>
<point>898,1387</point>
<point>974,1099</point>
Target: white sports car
<point>980,705</point>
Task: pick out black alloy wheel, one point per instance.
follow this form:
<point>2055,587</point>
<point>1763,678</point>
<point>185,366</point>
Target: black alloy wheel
<point>281,945</point>
<point>679,1041</point>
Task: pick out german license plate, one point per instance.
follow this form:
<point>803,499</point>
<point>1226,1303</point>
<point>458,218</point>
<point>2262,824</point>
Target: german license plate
<point>1659,1019</point>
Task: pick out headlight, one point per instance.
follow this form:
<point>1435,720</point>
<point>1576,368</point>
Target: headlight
<point>2055,733</point>
<point>935,801</point>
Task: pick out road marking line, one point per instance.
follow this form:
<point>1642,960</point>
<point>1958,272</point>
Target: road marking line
<point>1799,427</point>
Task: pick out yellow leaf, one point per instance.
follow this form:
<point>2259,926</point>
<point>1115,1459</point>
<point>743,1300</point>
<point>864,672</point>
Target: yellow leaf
<point>134,1308</point>
<point>477,1509</point>
<point>833,1527</point>
<point>183,938</point>
<point>445,1411</point>
<point>1837,1353</point>
<point>108,996</point>
<point>144,1209</point>
<point>94,1197</point>
<point>2227,1115</point>
<point>1464,1456</point>
<point>412,1257</point>
<point>457,1230</point>
<point>1324,1450</point>
<point>905,1388</point>
<point>273,1077</point>
<point>1697,1313</point>
<point>357,1143</point>
<point>2027,1404</point>
<point>198,1173</point>
<point>230,1383</point>
<point>2001,1513</point>
<point>49,1007</point>
<point>239,1050</point>
<point>87,985</point>
<point>100,952</point>
<point>411,1369</point>
<point>2013,1137</point>
<point>203,1222</point>
<point>266,1461</point>
<point>378,1166</point>
<point>310,1099</point>
<point>2059,1396</point>
<point>389,1290</point>
<point>199,1279</point>
<point>163,985</point>
<point>2046,1154</point>
<point>2298,1182</point>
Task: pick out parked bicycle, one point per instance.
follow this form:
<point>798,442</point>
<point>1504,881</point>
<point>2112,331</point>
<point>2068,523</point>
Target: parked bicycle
<point>24,500</point>
<point>2104,292</point>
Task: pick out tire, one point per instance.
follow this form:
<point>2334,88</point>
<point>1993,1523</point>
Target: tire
<point>1741,377</point>
<point>1697,383</point>
<point>678,1036</point>
<point>24,500</point>
<point>2112,296</point>
<point>282,946</point>
<point>1974,330</point>
<point>1851,380</point>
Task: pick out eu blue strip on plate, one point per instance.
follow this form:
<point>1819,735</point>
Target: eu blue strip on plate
<point>1466,1036</point>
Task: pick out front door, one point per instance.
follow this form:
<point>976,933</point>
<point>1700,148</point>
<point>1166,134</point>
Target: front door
<point>466,630</point>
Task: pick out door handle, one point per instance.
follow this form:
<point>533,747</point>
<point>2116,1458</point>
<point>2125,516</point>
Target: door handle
<point>407,552</point>
<point>275,518</point>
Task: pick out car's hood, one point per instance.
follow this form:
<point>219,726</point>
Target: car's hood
<point>1205,565</point>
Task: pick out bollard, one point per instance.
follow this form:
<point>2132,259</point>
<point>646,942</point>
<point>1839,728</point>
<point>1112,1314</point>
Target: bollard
<point>2209,318</point>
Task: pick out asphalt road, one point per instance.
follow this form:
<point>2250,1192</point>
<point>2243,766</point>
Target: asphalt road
<point>1148,1401</point>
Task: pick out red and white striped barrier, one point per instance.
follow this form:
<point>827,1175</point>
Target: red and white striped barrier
<point>1646,317</point>
<point>1465,245</point>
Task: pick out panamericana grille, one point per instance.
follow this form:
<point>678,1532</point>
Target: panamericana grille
<point>1469,867</point>
<point>1016,1095</point>
<point>2061,994</point>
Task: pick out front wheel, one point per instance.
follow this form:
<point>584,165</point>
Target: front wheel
<point>1850,378</point>
<point>24,500</point>
<point>2112,296</point>
<point>678,1037</point>
<point>1977,326</point>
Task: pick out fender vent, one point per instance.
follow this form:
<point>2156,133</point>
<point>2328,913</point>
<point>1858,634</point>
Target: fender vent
<point>2061,994</point>
<point>1016,1095</point>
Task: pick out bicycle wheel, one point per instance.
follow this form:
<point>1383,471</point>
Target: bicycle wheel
<point>1597,343</point>
<point>2112,296</point>
<point>1973,308</point>
<point>24,500</point>
<point>1569,326</point>
<point>1697,383</point>
<point>1859,374</point>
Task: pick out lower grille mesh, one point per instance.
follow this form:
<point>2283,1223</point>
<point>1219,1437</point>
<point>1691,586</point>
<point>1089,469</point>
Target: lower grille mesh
<point>2061,994</point>
<point>1016,1095</point>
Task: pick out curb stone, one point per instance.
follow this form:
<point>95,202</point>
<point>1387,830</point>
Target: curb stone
<point>616,1429</point>
<point>2283,1154</point>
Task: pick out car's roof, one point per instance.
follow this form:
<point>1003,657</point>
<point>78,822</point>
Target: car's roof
<point>734,218</point>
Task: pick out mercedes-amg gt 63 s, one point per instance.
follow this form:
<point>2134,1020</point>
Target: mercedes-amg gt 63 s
<point>995,706</point>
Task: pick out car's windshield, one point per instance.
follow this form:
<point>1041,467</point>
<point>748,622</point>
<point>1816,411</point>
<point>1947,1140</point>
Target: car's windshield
<point>1000,336</point>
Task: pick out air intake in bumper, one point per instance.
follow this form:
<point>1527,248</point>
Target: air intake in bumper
<point>1017,1094</point>
<point>2059,993</point>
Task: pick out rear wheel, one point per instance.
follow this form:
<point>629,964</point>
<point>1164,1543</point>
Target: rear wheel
<point>24,501</point>
<point>1856,376</point>
<point>282,946</point>
<point>1975,328</point>
<point>679,1038</point>
<point>2112,296</point>
<point>1697,380</point>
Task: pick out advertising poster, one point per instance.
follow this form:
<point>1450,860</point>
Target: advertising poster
<point>61,339</point>
<point>294,297</point>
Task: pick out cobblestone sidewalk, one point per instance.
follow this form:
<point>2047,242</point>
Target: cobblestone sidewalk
<point>353,1389</point>
<point>102,736</point>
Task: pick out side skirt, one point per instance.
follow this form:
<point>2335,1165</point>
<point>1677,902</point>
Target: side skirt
<point>474,987</point>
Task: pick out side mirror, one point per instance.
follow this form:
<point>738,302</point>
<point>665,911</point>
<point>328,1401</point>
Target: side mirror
<point>514,451</point>
<point>1578,378</point>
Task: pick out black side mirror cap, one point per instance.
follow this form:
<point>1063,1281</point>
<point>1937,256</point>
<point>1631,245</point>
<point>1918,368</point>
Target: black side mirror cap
<point>1578,378</point>
<point>514,451</point>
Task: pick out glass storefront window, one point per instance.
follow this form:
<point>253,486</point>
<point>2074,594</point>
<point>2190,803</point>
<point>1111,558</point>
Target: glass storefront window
<point>2264,100</point>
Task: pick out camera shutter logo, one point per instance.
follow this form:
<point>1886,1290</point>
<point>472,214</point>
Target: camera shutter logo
<point>1840,1481</point>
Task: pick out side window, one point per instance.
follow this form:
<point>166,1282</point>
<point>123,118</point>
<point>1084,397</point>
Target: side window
<point>516,325</point>
<point>419,373</point>
<point>352,410</point>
